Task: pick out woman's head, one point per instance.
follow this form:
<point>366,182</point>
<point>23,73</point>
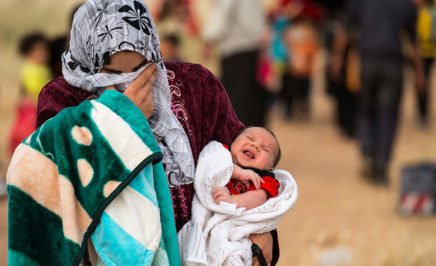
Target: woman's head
<point>104,33</point>
<point>100,30</point>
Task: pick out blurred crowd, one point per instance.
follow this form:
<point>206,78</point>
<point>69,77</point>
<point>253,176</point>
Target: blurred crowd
<point>268,52</point>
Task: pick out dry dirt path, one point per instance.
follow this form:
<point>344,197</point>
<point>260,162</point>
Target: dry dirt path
<point>339,213</point>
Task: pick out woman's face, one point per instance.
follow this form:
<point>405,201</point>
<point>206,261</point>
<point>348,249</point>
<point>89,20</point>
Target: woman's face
<point>124,62</point>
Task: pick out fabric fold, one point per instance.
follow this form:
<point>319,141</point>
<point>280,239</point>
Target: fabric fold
<point>63,176</point>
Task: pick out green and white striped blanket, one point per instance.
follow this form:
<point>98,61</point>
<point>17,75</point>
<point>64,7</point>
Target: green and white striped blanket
<point>93,171</point>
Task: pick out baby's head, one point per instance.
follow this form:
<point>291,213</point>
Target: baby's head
<point>256,147</point>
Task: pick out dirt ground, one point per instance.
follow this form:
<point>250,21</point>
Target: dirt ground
<point>339,217</point>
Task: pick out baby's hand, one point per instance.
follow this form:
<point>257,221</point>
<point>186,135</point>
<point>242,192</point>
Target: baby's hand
<point>245,176</point>
<point>221,194</point>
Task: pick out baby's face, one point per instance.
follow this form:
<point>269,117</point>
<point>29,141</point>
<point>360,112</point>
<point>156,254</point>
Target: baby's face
<point>255,147</point>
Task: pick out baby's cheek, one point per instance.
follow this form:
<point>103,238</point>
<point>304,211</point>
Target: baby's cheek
<point>270,161</point>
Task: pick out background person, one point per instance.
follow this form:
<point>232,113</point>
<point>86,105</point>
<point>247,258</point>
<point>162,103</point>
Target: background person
<point>34,48</point>
<point>426,37</point>
<point>380,49</point>
<point>235,28</point>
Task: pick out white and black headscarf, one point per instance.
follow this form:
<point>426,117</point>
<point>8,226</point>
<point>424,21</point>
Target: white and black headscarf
<point>102,28</point>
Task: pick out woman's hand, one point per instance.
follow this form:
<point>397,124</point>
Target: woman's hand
<point>265,243</point>
<point>140,91</point>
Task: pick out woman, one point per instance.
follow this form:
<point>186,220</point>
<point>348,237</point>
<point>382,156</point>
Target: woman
<point>111,44</point>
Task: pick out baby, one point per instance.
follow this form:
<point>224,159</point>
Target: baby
<point>255,152</point>
<point>218,234</point>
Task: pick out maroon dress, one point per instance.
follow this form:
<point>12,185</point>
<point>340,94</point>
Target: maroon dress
<point>199,102</point>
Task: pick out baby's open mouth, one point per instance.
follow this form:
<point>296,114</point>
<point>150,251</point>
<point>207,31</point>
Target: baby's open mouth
<point>249,154</point>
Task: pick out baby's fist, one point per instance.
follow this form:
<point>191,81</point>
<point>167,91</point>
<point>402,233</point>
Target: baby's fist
<point>221,194</point>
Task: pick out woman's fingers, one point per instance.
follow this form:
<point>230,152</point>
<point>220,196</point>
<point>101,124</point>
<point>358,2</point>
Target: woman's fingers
<point>147,107</point>
<point>140,91</point>
<point>142,79</point>
<point>265,242</point>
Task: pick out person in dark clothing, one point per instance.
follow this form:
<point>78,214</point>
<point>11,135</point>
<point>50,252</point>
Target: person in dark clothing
<point>379,24</point>
<point>236,29</point>
<point>302,44</point>
<point>343,81</point>
<point>57,47</point>
<point>239,77</point>
<point>426,36</point>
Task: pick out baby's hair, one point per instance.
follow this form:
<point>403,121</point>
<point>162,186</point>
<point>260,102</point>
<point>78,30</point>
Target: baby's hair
<point>279,153</point>
<point>28,42</point>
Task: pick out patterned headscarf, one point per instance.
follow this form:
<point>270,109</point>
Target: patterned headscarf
<point>102,28</point>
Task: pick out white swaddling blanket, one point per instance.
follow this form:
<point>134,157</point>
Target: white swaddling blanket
<point>217,234</point>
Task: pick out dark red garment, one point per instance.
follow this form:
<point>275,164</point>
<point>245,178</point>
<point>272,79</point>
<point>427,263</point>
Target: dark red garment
<point>24,123</point>
<point>199,102</point>
<point>271,186</point>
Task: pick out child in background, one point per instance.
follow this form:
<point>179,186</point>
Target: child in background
<point>302,44</point>
<point>34,75</point>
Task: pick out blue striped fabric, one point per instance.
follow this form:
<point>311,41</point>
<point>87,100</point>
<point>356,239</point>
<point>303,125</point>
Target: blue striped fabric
<point>113,242</point>
<point>120,250</point>
<point>144,185</point>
